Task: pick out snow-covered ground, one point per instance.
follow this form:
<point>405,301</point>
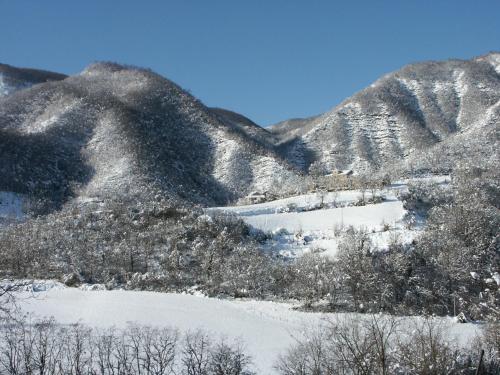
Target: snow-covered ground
<point>304,202</point>
<point>11,206</point>
<point>267,328</point>
<point>313,222</point>
<point>370,216</point>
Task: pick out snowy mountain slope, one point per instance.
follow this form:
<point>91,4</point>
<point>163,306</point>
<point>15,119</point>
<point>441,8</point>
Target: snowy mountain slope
<point>13,79</point>
<point>293,127</point>
<point>245,125</point>
<point>121,131</point>
<point>402,114</point>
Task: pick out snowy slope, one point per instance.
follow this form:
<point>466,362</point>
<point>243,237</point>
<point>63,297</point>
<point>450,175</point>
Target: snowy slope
<point>370,217</point>
<point>265,327</point>
<point>114,130</point>
<point>13,79</point>
<point>302,224</point>
<point>399,116</point>
<point>313,222</point>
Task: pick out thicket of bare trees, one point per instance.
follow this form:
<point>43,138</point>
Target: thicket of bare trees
<point>47,348</point>
<point>138,247</point>
<point>379,345</point>
<point>452,267</point>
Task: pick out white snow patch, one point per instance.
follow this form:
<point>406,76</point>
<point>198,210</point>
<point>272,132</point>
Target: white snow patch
<point>226,150</point>
<point>496,277</point>
<point>50,116</point>
<point>461,88</point>
<point>370,216</point>
<point>4,89</point>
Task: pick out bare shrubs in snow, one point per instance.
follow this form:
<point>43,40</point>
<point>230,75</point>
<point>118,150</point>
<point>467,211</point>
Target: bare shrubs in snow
<point>196,353</point>
<point>346,345</point>
<point>152,247</point>
<point>489,341</point>
<point>307,355</point>
<point>8,290</point>
<point>355,263</point>
<point>47,348</point>
<point>228,359</point>
<point>313,278</point>
<point>376,344</point>
<point>423,349</point>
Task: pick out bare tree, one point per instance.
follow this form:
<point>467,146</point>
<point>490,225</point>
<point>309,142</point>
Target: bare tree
<point>308,356</point>
<point>9,290</point>
<point>424,350</point>
<point>347,345</point>
<point>196,353</point>
<point>229,359</point>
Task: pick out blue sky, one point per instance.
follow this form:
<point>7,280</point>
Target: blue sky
<point>269,60</point>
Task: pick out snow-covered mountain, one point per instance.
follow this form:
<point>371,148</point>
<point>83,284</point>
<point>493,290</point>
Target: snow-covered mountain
<point>122,131</point>
<point>115,131</point>
<point>13,79</point>
<point>402,116</point>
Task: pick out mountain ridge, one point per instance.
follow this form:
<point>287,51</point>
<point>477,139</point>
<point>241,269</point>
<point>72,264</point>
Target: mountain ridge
<point>128,130</point>
<point>13,78</point>
<point>420,97</point>
<point>119,130</point>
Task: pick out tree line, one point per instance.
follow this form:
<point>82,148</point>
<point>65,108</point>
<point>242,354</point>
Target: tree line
<point>452,267</point>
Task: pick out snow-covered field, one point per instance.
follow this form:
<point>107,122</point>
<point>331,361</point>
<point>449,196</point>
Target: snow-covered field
<point>370,216</point>
<point>313,222</point>
<point>267,328</point>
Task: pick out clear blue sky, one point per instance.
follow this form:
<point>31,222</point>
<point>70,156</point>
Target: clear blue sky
<point>269,60</point>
